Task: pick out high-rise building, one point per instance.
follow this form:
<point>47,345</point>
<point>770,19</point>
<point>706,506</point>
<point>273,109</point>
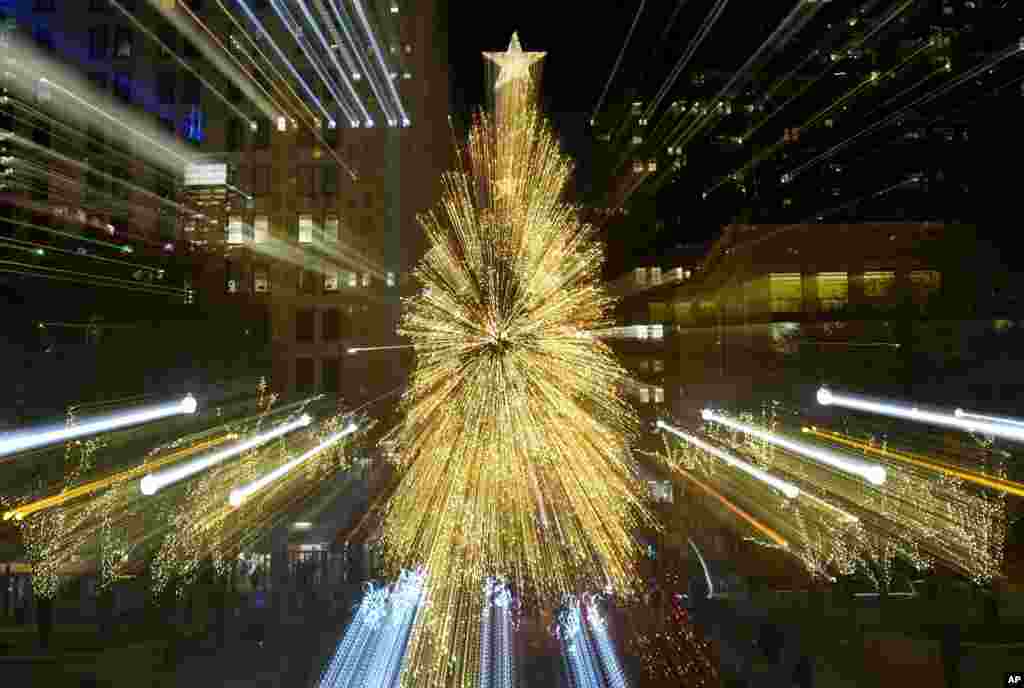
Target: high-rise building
<point>310,137</point>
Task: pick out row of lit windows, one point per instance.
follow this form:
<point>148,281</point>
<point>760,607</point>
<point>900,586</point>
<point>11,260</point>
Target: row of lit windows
<point>639,332</point>
<point>649,395</point>
<point>654,276</point>
<point>331,279</point>
<point>238,232</point>
<point>789,292</point>
<point>654,365</point>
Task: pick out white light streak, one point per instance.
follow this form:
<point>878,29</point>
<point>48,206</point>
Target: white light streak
<point>873,473</point>
<point>1007,429</point>
<point>789,489</point>
<point>154,482</point>
<point>960,413</point>
<point>281,56</point>
<point>605,650</point>
<point>380,57</point>
<point>240,494</point>
<point>12,443</point>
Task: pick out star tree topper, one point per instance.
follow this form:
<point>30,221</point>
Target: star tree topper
<point>514,64</point>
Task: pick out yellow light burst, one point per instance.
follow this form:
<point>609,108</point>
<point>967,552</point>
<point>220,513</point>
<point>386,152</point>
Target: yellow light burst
<point>515,438</point>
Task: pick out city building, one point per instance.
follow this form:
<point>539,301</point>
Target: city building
<point>302,216</point>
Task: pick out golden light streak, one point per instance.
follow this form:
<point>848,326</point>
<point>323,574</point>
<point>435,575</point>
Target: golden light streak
<point>88,488</point>
<point>760,527</point>
<point>999,484</point>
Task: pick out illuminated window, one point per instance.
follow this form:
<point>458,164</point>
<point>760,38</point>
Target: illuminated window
<point>351,279</point>
<point>236,230</point>
<point>261,281</point>
<point>282,123</point>
<point>331,228</point>
<point>879,284</point>
<point>644,394</point>
<point>261,180</point>
<point>659,395</point>
<point>261,229</point>
<point>638,106</point>
<point>652,166</point>
<point>658,365</point>
<point>366,279</point>
<point>407,48</point>
<point>123,42</point>
<point>655,275</point>
<point>640,275</point>
<point>43,92</point>
<point>332,280</point>
<point>656,331</point>
<point>390,279</point>
<point>923,284</point>
<point>638,167</point>
<point>637,140</point>
<point>833,289</point>
<point>305,229</point>
<point>661,490</point>
<point>784,292</point>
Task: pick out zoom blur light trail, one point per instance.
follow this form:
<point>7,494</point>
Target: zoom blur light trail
<point>789,489</point>
<point>960,413</point>
<point>497,651</point>
<point>24,440</point>
<point>961,421</point>
<point>240,494</point>
<point>21,512</point>
<point>989,481</point>
<point>760,527</point>
<point>605,649</point>
<point>155,482</point>
<point>871,472</point>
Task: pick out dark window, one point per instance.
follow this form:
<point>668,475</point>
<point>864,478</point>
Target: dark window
<point>123,86</point>
<point>169,37</point>
<point>190,90</point>
<point>168,124</point>
<point>330,133</point>
<point>307,281</point>
<point>262,133</point>
<point>123,42</point>
<point>166,84</point>
<point>97,138</point>
<point>44,6</point>
<point>329,179</point>
<point>368,200</point>
<point>332,325</point>
<point>99,6</point>
<point>330,375</point>
<point>190,50</point>
<point>304,375</point>
<point>261,180</point>
<point>307,180</point>
<point>99,80</point>
<point>98,42</point>
<point>234,134</point>
<point>234,94</point>
<point>41,135</point>
<point>304,325</point>
<point>44,39</point>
